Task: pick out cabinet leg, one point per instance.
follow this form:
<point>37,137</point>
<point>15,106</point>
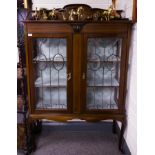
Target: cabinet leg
<point>114,126</point>
<point>121,142</point>
<point>37,127</point>
<point>29,144</point>
<point>32,136</point>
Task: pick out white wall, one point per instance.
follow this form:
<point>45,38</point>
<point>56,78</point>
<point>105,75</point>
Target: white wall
<point>131,100</point>
<point>125,5</point>
<point>49,4</point>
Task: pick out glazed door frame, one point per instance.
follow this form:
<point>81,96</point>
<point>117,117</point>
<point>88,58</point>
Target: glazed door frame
<point>121,100</point>
<point>30,71</point>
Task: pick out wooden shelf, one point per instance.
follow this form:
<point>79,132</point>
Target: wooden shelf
<point>102,86</point>
<point>53,83</point>
<point>50,86</point>
<point>106,83</point>
<point>102,106</point>
<point>46,104</point>
<point>36,59</point>
<point>39,61</point>
<point>102,61</point>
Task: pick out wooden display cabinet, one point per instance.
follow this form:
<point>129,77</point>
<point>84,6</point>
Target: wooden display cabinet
<point>77,69</point>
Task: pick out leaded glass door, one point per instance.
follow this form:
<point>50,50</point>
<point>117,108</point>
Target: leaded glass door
<point>101,74</point>
<point>52,73</point>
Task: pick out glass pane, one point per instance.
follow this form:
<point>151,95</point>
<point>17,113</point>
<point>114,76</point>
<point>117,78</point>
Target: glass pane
<point>103,72</point>
<point>51,98</point>
<point>50,63</point>
<point>102,98</point>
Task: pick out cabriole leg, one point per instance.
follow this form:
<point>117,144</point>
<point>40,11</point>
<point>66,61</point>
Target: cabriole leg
<point>37,126</point>
<point>114,126</point>
<point>33,144</point>
<point>121,142</point>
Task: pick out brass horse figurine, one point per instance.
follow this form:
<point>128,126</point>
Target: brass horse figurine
<point>79,12</point>
<point>52,14</point>
<point>110,13</point>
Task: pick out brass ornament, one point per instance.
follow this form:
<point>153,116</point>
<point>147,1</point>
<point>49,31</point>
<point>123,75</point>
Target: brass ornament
<point>64,16</point>
<point>35,14</point>
<point>44,15</point>
<point>79,13</point>
<point>72,14</point>
<point>111,13</point>
<point>52,14</point>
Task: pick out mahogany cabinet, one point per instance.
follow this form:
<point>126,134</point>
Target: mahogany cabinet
<point>77,70</point>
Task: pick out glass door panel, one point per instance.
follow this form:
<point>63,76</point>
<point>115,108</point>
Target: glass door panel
<point>103,72</point>
<point>50,66</point>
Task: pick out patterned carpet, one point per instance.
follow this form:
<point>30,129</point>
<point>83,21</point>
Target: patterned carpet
<point>77,139</point>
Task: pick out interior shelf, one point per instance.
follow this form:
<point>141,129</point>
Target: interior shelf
<point>102,61</point>
<point>50,82</point>
<point>37,59</point>
<point>51,86</point>
<point>105,105</point>
<point>101,83</point>
<point>48,105</point>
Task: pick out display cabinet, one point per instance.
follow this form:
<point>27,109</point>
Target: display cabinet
<point>77,68</point>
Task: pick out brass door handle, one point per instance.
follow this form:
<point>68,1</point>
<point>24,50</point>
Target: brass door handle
<point>83,76</point>
<point>69,76</point>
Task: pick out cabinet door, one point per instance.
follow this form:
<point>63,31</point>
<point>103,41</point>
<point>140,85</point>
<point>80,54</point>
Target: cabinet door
<point>50,59</point>
<point>102,73</point>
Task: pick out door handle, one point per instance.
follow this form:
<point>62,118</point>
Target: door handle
<point>69,76</point>
<point>83,76</point>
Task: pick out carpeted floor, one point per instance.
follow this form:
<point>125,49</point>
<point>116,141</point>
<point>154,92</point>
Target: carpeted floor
<point>77,139</point>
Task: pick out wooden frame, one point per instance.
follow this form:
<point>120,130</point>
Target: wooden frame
<point>121,102</point>
<point>134,11</point>
<point>32,71</point>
